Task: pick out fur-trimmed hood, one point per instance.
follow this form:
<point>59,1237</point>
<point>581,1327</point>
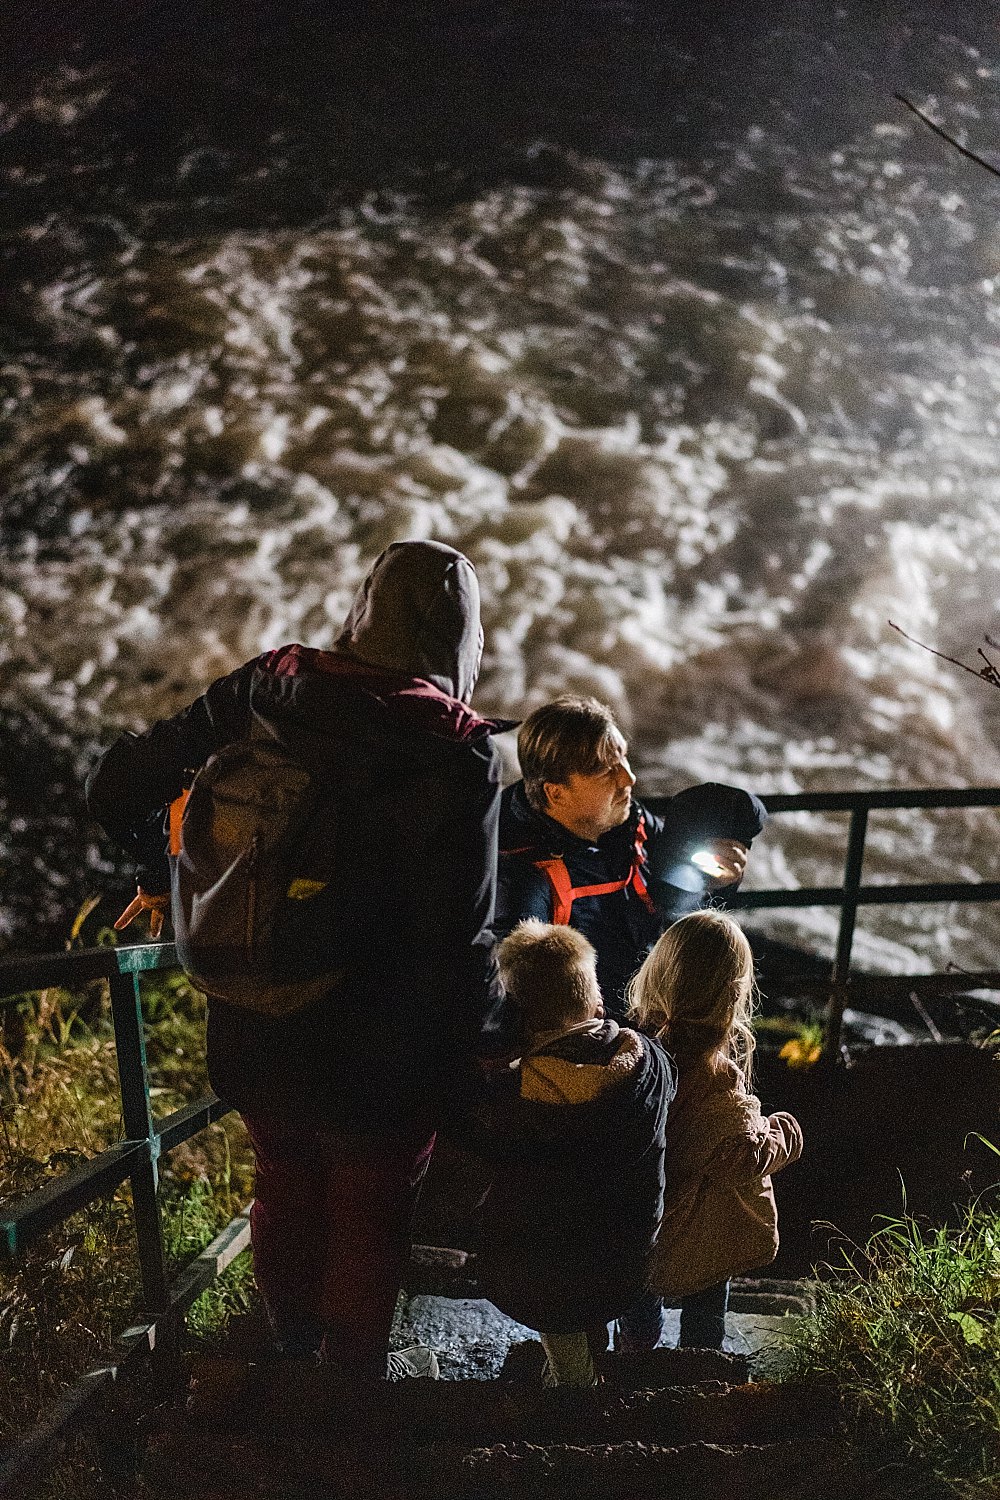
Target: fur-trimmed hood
<point>582,1065</point>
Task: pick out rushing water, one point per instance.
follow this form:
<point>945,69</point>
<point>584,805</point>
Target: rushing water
<point>696,357</point>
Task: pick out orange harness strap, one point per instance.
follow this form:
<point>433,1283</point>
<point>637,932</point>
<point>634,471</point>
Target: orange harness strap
<point>636,880</point>
<point>564,892</point>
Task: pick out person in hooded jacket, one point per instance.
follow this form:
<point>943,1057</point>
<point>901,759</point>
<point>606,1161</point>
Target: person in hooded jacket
<point>577,849</point>
<point>342,1098</point>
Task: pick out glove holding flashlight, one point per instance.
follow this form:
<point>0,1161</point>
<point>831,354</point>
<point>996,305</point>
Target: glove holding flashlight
<point>703,847</point>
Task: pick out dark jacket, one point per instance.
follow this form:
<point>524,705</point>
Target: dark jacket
<point>621,925</point>
<point>576,1136</point>
<point>388,1047</point>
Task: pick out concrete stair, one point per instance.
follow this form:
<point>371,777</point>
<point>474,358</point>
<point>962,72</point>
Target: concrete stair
<point>287,1431</point>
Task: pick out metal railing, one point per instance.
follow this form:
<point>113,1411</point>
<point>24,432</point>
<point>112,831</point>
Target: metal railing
<point>852,894</point>
<point>135,1159</point>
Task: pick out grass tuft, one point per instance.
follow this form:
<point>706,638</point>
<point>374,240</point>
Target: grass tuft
<point>59,1104</point>
<point>909,1330</point>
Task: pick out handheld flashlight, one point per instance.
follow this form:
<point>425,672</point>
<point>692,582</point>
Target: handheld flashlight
<point>706,862</point>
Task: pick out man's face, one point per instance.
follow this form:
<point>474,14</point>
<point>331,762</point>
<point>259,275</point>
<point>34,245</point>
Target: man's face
<point>592,804</point>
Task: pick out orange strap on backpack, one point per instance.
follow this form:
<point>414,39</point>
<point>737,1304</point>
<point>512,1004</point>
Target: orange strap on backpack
<point>176,814</point>
<point>564,892</point>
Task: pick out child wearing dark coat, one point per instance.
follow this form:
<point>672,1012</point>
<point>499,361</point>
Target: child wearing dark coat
<point>575,1132</point>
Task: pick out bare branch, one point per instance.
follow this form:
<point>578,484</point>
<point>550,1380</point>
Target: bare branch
<point>990,670</point>
<point>988,673</point>
<point>979,160</point>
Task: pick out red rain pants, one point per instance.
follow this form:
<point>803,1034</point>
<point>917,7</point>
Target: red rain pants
<point>330,1229</point>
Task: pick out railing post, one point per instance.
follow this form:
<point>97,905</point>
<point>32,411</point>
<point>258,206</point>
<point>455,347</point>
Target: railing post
<point>130,1045</point>
<point>845,936</point>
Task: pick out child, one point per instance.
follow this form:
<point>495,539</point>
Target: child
<point>575,1131</point>
<point>695,993</point>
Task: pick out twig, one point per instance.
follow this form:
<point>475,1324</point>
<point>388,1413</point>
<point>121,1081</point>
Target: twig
<point>931,125</point>
<point>988,673</point>
<point>990,666</point>
<point>925,1016</point>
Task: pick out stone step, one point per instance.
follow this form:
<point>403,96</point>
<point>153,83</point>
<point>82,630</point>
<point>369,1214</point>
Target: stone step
<point>773,1299</point>
<point>290,1431</point>
<point>181,1465</point>
<point>436,1271</point>
<point>672,1424</point>
<point>289,1400</point>
<point>646,1471</point>
<point>657,1367</point>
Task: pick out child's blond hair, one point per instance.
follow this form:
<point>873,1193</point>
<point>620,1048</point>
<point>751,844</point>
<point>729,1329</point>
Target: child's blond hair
<point>696,991</point>
<point>550,974</point>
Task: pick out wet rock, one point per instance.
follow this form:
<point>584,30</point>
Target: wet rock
<point>470,1336</point>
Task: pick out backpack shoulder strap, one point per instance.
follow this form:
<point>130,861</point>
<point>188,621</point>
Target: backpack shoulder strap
<point>637,879</point>
<point>562,888</point>
<point>564,892</point>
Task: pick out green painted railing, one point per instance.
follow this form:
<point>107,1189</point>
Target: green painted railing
<point>135,1160</point>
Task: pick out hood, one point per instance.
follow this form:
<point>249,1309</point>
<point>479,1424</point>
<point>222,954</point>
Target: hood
<point>615,1082</point>
<point>410,702</point>
<point>579,1067</point>
<point>417,613</point>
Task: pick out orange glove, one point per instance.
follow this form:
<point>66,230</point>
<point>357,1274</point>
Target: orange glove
<point>157,906</point>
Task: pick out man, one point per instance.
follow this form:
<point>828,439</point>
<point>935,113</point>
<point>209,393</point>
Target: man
<point>577,848</point>
<point>342,1097</point>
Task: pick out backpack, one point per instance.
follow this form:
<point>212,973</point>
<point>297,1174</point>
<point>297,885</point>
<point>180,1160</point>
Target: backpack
<point>256,878</point>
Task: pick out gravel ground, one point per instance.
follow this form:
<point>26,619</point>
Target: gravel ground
<point>472,1339</point>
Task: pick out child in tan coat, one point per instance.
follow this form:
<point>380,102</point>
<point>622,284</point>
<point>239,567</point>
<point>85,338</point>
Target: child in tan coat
<point>695,993</point>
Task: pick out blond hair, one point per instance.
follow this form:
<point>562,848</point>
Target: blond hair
<point>696,991</point>
<point>550,973</point>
